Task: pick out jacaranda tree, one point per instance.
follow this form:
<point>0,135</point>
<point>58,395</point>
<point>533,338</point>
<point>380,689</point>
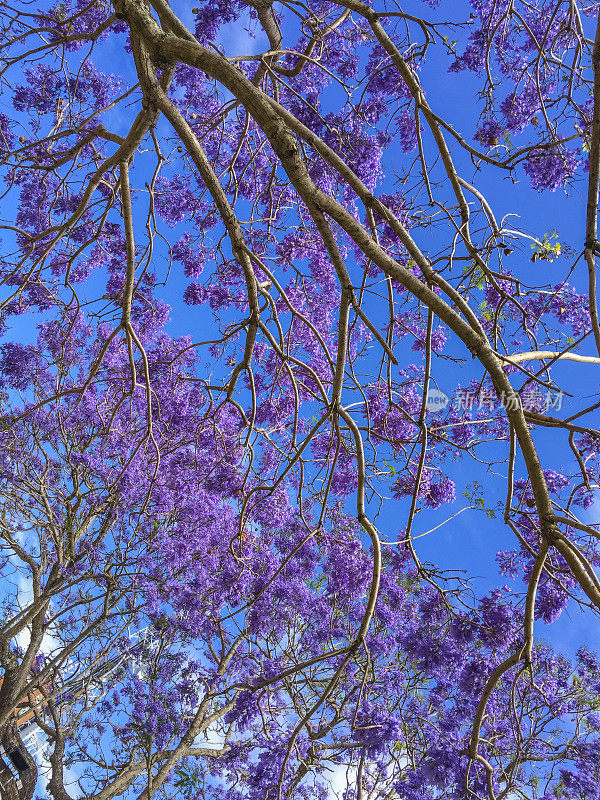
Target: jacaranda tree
<point>281,281</point>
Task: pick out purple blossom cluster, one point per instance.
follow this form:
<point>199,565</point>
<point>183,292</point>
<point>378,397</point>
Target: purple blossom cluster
<point>551,169</point>
<point>504,45</point>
